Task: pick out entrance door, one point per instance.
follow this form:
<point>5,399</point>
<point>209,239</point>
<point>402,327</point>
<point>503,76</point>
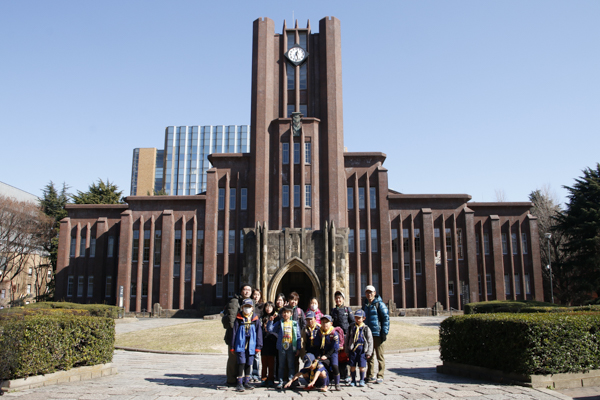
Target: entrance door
<point>295,280</point>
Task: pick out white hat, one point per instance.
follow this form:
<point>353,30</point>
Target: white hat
<point>370,288</point>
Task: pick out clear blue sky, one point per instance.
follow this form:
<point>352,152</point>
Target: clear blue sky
<point>462,96</point>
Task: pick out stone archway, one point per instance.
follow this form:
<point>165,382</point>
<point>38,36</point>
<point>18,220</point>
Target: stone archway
<point>296,266</point>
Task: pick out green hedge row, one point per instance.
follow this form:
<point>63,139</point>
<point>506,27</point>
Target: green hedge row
<point>526,344</point>
<point>51,308</point>
<point>42,344</point>
<point>509,306</point>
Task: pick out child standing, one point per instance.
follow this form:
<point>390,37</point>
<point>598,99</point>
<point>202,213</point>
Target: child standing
<point>314,307</point>
<point>359,347</point>
<point>329,345</point>
<point>343,318</point>
<point>309,334</point>
<point>288,343</point>
<point>246,342</point>
<point>269,349</point>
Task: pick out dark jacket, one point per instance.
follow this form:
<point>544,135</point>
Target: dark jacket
<point>269,340</point>
<point>238,344</point>
<point>342,317</point>
<point>377,316</point>
<point>299,317</point>
<point>230,312</point>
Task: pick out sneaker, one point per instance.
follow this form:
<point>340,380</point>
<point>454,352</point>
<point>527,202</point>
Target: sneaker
<point>248,386</point>
<point>361,383</point>
<point>337,387</point>
<point>352,383</point>
<point>279,385</point>
<point>239,388</point>
<point>370,380</point>
<point>379,380</point>
<point>347,380</point>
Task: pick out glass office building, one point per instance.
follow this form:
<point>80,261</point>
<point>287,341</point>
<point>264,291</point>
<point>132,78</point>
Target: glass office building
<point>187,149</point>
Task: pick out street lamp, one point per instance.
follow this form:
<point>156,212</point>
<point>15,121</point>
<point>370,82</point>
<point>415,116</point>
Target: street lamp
<point>548,237</point>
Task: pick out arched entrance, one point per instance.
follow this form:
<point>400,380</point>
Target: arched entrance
<point>296,277</point>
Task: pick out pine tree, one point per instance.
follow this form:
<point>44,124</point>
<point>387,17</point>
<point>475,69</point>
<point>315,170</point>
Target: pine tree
<point>581,225</point>
<point>101,193</point>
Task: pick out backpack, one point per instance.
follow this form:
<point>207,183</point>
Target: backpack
<point>340,333</point>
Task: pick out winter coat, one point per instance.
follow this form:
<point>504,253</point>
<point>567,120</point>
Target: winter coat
<point>299,317</point>
<point>239,335</point>
<point>377,316</point>
<point>368,338</point>
<point>277,328</point>
<point>332,343</point>
<point>230,313</point>
<point>269,342</point>
<point>342,317</point>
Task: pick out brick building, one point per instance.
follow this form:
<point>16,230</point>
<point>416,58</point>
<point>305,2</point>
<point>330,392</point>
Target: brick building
<point>298,213</point>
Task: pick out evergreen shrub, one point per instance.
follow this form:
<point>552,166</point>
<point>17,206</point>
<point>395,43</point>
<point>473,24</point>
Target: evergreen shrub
<point>53,308</point>
<point>526,344</point>
<point>512,306</point>
<point>41,344</point>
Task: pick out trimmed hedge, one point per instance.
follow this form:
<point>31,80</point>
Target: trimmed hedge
<point>42,344</point>
<point>52,308</point>
<point>526,344</point>
<point>511,306</point>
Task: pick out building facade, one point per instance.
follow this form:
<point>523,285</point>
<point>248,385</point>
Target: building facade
<point>296,212</point>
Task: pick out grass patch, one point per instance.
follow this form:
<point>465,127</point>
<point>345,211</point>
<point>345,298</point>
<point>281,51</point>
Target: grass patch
<point>207,337</point>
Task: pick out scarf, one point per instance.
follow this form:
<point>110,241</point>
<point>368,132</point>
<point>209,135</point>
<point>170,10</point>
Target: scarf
<point>325,334</point>
<point>356,335</point>
<point>247,323</point>
<point>311,333</point>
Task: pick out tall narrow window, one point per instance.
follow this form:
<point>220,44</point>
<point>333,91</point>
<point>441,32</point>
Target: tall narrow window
<point>515,249</point>
<point>157,246</point>
<point>438,246</point>
<point>144,289</point>
<point>352,284</point>
<point>177,253</point>
<point>241,242</point>
<point>232,198</point>
<point>219,286</point>
<point>133,289</point>
<point>285,153</point>
<point>296,195</point>
<point>146,245</point>
<point>307,155</point>
<point>296,153</point>
<point>79,286</point>
<point>417,233</point>
<point>230,285</point>
<point>90,287</point>
<point>517,284</point>
<point>221,198</point>
<point>82,244</point>
<point>135,245</point>
<point>73,246</point>
<point>350,198</point>
<point>70,286</point>
<point>407,273</point>
<point>486,243</point>
<point>351,241</point>
<point>189,244</point>
<point>477,245</point>
<point>479,283</point>
<point>488,281</point>
<point>373,197</point>
<point>231,243</point>
<point>200,257</point>
<point>406,250</point>
<point>285,194</point>
<point>395,258</point>
<point>363,240</point>
<point>93,246</point>
<point>111,247</point>
<point>506,284</point>
<point>450,288</point>
<point>504,245</point>
<point>361,198</point>
<point>459,240</point>
<point>220,240</point>
<point>363,282</point>
<point>108,287</point>
<point>308,195</point>
<point>524,242</point>
<point>373,240</point>
<point>244,199</point>
<point>418,267</point>
<point>527,284</point>
<point>448,243</point>
<point>291,76</point>
<point>303,80</point>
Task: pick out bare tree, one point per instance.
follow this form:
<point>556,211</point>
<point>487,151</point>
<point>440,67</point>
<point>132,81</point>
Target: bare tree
<point>500,195</point>
<point>23,231</point>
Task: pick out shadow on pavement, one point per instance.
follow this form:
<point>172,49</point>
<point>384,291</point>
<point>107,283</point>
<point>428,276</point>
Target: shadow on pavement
<point>190,380</point>
<point>429,374</point>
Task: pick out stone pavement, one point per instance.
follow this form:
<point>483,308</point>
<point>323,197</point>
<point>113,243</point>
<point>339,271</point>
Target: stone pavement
<point>150,376</point>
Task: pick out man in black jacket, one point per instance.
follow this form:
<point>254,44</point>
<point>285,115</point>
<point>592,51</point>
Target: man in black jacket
<point>229,315</point>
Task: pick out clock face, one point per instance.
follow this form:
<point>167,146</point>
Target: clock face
<point>297,55</point>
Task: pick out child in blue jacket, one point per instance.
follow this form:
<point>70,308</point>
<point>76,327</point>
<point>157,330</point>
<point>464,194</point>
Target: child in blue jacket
<point>246,342</point>
<point>289,343</point>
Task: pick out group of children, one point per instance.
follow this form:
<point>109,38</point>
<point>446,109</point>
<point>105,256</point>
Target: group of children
<point>282,334</point>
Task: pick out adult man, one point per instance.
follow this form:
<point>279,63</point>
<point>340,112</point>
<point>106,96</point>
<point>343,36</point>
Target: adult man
<point>378,320</point>
<point>229,314</point>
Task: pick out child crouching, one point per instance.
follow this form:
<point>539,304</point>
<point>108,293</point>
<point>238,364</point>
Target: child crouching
<point>246,342</point>
<point>314,372</point>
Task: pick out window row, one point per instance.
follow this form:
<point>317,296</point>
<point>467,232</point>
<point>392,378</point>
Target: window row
<point>507,284</point>
<point>232,198</point>
<point>231,242</point>
<point>363,283</point>
<point>361,198</point>
<point>514,243</point>
<point>285,196</point>
<point>362,241</point>
<point>285,153</point>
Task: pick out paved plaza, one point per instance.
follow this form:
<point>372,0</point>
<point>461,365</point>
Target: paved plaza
<point>154,376</point>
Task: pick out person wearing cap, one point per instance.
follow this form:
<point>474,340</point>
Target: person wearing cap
<point>359,347</point>
<point>289,343</point>
<point>328,341</point>
<point>309,334</point>
<point>342,317</point>
<point>230,313</point>
<point>246,342</point>
<point>314,372</point>
<point>377,318</point>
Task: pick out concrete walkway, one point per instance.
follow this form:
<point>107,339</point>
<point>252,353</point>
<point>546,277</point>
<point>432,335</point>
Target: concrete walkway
<point>150,376</point>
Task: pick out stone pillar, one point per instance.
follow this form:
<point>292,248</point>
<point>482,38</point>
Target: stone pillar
<point>151,264</point>
<point>536,269</point>
<point>496,237</point>
<point>125,250</point>
<point>140,267</point>
<point>63,258</point>
<point>471,256</point>
<point>166,260</point>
